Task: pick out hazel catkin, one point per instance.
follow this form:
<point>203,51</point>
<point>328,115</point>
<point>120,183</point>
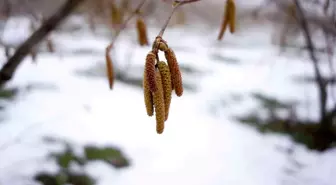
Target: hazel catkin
<point>159,104</point>
<point>225,22</point>
<point>166,84</point>
<point>174,71</point>
<point>109,69</point>
<point>142,32</point>
<point>148,97</point>
<point>163,46</point>
<point>232,15</point>
<point>149,71</point>
<point>229,18</point>
<point>116,18</point>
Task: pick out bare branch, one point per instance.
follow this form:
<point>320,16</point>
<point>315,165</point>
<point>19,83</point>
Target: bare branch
<point>8,70</point>
<point>320,82</point>
<point>176,4</point>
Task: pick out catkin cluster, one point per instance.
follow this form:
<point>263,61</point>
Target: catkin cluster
<point>160,80</point>
<point>229,18</point>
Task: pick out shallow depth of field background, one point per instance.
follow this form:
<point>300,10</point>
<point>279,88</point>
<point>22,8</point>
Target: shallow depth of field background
<point>60,123</point>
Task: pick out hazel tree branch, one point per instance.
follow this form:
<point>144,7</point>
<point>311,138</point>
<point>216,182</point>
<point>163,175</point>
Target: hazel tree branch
<point>9,68</point>
<point>176,4</point>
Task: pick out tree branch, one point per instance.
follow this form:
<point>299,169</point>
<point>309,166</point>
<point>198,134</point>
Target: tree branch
<point>320,82</point>
<point>9,68</point>
<point>177,3</point>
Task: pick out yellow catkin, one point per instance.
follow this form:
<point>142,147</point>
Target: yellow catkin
<point>148,97</point>
<point>115,14</point>
<point>166,84</point>
<point>225,22</point>
<point>174,71</point>
<point>142,32</point>
<point>150,71</point>
<point>109,70</point>
<point>163,46</point>
<point>159,104</point>
<point>232,15</point>
<point>291,12</point>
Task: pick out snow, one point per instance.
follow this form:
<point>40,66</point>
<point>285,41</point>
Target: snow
<point>199,145</point>
<point>16,30</point>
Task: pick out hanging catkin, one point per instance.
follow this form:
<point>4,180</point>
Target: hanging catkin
<point>159,104</point>
<point>225,21</point>
<point>109,70</point>
<point>148,97</point>
<point>174,71</point>
<point>166,84</point>
<point>150,71</point>
<point>116,18</point>
<point>232,15</point>
<point>229,18</point>
<point>142,32</point>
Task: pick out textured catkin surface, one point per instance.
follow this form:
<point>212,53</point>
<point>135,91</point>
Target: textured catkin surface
<point>159,104</point>
<point>148,97</point>
<point>175,71</point>
<point>142,31</point>
<point>167,86</point>
<point>150,71</point>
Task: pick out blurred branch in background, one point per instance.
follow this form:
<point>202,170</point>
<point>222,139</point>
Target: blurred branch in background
<point>8,70</point>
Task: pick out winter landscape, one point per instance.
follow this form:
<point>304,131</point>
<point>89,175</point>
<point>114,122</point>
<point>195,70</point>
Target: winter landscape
<point>61,100</point>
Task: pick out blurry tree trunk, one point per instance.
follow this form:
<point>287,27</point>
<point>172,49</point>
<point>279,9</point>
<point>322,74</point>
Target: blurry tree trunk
<point>325,134</point>
<point>9,68</point>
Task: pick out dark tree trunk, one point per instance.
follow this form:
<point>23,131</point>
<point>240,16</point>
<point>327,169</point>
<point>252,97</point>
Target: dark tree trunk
<point>9,68</point>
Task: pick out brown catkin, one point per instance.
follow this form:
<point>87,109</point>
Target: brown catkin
<point>150,71</point>
<point>166,84</point>
<point>225,22</point>
<point>174,71</point>
<point>142,31</point>
<point>148,97</point>
<point>159,104</point>
<point>109,69</point>
<point>232,15</point>
<point>115,14</point>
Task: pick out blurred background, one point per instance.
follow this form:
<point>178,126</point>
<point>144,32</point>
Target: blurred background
<point>259,105</point>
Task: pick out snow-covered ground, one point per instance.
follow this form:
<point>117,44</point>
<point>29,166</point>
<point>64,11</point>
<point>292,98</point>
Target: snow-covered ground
<point>201,143</point>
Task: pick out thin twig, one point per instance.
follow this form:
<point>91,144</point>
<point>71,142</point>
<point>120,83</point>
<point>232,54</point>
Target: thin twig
<point>177,4</point>
<point>9,68</point>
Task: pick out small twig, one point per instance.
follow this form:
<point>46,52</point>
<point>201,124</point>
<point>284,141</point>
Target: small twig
<point>177,4</point>
<point>109,47</point>
<point>158,39</point>
<point>8,69</point>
